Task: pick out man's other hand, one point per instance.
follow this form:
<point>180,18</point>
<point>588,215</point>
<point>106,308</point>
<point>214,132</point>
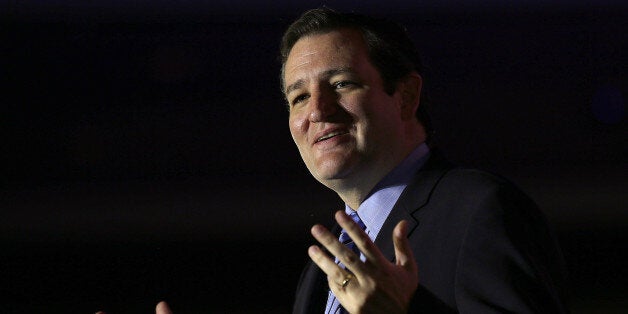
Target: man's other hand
<point>161,308</point>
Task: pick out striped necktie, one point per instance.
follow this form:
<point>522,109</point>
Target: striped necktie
<point>333,306</point>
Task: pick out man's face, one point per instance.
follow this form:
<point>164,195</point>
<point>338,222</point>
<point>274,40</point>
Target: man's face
<point>341,119</point>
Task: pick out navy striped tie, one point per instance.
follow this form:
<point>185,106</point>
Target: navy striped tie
<point>347,241</point>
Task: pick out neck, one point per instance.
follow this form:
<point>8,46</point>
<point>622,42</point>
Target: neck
<point>353,191</point>
<point>355,195</point>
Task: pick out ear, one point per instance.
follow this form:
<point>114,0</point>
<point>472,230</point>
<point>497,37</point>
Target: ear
<point>410,88</point>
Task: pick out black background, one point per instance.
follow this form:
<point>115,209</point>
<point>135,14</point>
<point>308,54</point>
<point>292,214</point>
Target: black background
<point>146,153</point>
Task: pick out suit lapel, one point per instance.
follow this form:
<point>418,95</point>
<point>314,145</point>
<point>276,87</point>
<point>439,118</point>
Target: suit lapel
<point>414,197</point>
<point>311,293</point>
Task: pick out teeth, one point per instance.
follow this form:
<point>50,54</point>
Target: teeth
<point>330,135</point>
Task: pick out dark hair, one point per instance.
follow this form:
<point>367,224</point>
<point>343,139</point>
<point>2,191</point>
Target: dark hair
<point>390,49</point>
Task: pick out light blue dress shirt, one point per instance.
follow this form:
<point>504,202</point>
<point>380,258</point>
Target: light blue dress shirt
<point>377,206</point>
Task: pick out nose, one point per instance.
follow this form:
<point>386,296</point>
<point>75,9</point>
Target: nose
<point>323,104</point>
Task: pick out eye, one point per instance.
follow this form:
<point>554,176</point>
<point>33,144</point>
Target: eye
<point>298,99</point>
<point>343,84</point>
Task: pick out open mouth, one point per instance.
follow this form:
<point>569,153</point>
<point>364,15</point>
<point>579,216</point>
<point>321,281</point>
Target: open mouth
<point>330,135</point>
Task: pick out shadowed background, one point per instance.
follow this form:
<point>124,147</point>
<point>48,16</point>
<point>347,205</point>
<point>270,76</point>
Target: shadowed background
<point>146,153</point>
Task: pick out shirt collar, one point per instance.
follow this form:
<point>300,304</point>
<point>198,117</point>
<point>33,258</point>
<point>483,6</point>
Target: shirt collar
<point>374,210</point>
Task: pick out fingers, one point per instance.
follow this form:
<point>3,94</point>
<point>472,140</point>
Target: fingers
<point>325,263</point>
<point>162,308</point>
<point>403,251</point>
<point>337,249</point>
<point>361,239</point>
<point>374,257</point>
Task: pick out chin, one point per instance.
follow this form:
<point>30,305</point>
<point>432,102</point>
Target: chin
<point>332,166</point>
<point>328,173</point>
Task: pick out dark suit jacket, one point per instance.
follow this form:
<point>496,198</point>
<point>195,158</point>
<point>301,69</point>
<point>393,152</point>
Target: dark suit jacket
<point>480,244</point>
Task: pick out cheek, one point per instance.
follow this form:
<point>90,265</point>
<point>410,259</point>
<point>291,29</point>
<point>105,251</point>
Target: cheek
<point>297,126</point>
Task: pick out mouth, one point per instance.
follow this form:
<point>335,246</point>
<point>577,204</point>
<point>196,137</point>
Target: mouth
<point>330,135</point>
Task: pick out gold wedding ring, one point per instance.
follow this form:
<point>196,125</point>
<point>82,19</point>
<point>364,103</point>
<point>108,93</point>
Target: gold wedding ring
<point>348,278</point>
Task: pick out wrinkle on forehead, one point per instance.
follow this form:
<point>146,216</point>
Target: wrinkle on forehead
<point>302,61</point>
<point>308,53</point>
<point>303,58</point>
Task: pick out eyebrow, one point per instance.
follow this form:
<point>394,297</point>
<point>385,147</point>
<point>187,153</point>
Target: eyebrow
<point>294,86</point>
<point>329,73</point>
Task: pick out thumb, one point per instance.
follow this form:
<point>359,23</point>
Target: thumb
<point>403,253</point>
<point>162,308</point>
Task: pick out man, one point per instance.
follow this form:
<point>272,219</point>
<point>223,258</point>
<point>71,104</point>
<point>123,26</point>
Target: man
<point>427,237</point>
<point>432,238</point>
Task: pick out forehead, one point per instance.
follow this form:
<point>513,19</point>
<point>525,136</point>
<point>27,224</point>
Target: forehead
<point>317,53</point>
